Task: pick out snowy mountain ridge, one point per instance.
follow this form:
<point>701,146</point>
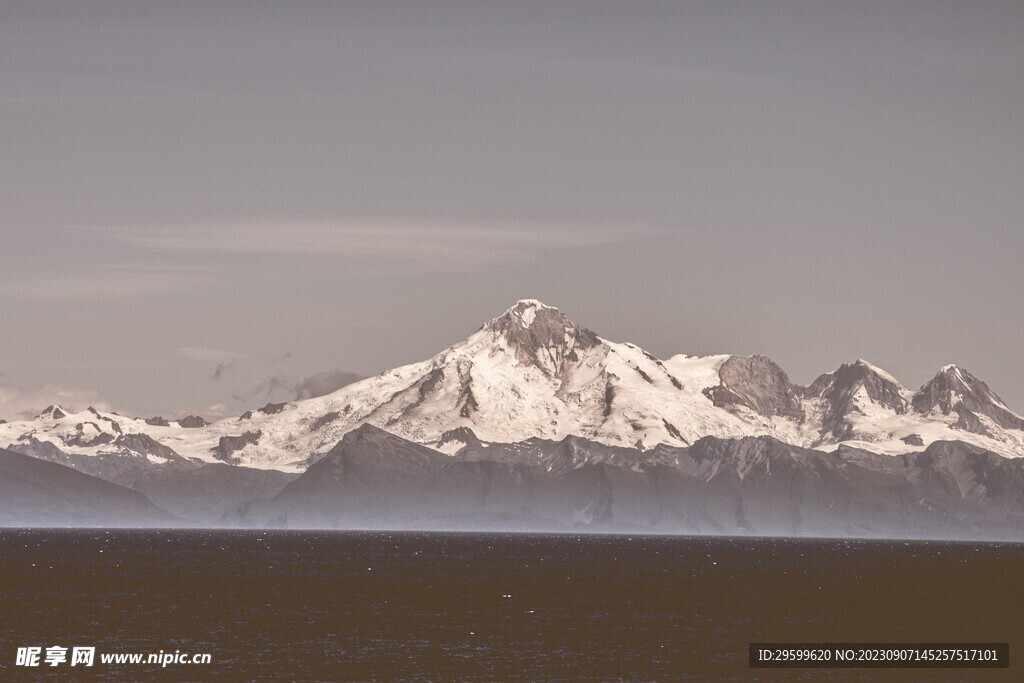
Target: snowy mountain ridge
<point>534,373</point>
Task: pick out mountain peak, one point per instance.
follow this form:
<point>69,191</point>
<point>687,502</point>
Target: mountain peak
<point>533,303</point>
<point>364,432</point>
<point>542,335</point>
<point>54,412</point>
<point>955,390</point>
<point>843,391</point>
<point>869,365</point>
<point>956,374</point>
<point>950,385</point>
<point>526,311</point>
<point>881,386</point>
<point>879,372</point>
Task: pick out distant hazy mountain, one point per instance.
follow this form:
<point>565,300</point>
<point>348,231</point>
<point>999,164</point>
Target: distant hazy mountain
<point>204,494</point>
<point>532,373</point>
<point>752,485</point>
<point>38,493</point>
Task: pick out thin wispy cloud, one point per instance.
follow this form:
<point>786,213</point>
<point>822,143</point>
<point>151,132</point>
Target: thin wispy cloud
<point>96,283</point>
<point>423,243</point>
<point>149,261</point>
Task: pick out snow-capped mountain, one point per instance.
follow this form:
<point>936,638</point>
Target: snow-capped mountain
<point>534,373</point>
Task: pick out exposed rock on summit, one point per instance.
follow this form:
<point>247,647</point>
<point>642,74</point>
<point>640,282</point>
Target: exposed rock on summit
<point>543,336</point>
<point>758,383</point>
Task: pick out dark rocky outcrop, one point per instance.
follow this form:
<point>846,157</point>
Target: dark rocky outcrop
<point>323,420</point>
<point>88,434</point>
<point>229,445</point>
<point>462,437</point>
<point>145,445</point>
<point>913,440</point>
<point>189,422</point>
<point>758,383</point>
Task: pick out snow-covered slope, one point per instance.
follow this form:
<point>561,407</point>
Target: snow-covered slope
<point>533,372</point>
<point>91,432</point>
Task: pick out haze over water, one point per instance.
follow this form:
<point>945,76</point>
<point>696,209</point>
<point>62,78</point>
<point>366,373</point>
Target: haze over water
<point>287,605</point>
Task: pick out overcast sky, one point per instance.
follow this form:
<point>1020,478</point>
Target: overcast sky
<point>203,204</point>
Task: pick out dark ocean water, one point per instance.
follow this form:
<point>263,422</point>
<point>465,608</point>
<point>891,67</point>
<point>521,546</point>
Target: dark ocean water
<point>337,606</point>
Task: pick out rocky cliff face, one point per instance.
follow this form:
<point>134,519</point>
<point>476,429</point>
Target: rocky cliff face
<point>757,383</point>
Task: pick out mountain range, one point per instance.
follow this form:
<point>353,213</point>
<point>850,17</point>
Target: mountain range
<point>747,486</point>
<point>545,415</point>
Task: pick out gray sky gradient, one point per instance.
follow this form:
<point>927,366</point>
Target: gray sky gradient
<point>284,189</point>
